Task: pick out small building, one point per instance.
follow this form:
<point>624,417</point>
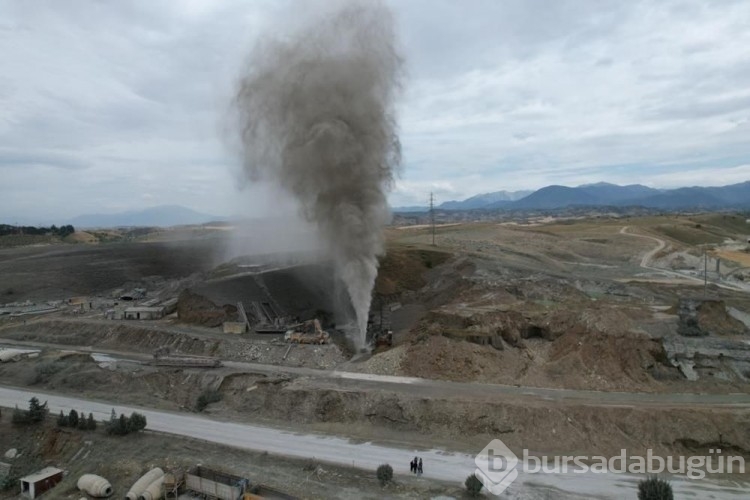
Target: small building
<point>141,312</point>
<point>234,327</point>
<point>35,484</point>
<point>82,303</point>
<point>117,312</point>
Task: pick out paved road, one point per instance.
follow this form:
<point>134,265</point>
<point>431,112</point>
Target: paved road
<point>443,389</point>
<point>441,465</point>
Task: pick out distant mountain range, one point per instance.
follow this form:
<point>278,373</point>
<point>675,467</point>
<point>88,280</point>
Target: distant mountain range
<point>484,200</point>
<point>605,194</point>
<point>161,216</point>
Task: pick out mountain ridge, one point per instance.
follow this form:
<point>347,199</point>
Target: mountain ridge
<point>608,194</point>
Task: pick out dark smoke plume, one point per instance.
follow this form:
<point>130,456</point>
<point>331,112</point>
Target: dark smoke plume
<point>316,115</point>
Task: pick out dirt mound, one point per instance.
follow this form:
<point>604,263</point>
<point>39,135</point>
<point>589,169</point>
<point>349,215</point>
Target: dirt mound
<point>198,310</point>
<point>388,362</point>
<point>403,269</point>
<point>81,237</point>
<point>114,336</point>
<point>489,327</point>
<point>591,360</point>
<point>702,317</point>
<point>76,372</point>
<point>552,354</point>
<point>442,358</point>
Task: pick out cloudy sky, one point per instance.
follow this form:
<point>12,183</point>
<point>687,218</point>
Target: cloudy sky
<point>112,106</point>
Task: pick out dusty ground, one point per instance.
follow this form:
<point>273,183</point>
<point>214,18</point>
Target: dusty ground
<point>145,337</point>
<point>558,304</point>
<point>455,422</point>
<point>55,272</point>
<point>122,460</point>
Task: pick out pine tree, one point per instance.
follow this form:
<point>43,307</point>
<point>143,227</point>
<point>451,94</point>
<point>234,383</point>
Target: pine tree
<point>37,412</point>
<point>91,423</point>
<point>73,419</point>
<point>122,425</point>
<point>82,423</point>
<point>112,424</point>
<point>62,420</point>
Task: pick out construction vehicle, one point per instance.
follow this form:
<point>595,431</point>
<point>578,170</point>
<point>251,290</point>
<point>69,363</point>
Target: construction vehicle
<point>307,332</point>
<point>379,332</point>
<point>382,338</point>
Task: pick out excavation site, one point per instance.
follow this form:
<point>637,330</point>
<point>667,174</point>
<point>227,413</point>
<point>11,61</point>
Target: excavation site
<point>374,250</point>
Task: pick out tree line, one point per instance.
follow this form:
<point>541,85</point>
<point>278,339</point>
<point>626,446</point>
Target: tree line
<point>62,231</point>
<point>116,425</point>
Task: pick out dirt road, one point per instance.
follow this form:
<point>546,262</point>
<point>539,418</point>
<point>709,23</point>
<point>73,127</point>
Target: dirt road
<point>440,465</point>
<point>646,259</point>
<point>351,381</point>
<point>660,244</point>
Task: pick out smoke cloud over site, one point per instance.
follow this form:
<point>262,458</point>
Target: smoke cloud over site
<point>316,117</point>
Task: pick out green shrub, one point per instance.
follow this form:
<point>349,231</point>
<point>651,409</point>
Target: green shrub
<point>385,474</point>
<point>136,422</point>
<point>654,488</point>
<point>473,485</point>
<point>122,425</point>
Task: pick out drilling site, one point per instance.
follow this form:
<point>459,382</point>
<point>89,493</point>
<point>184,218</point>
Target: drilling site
<point>549,334</point>
<point>293,354</point>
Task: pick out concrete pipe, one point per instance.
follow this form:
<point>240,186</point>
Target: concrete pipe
<point>153,492</point>
<point>94,485</point>
<point>143,483</point>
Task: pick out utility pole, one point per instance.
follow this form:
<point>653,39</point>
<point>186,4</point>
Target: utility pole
<point>432,216</point>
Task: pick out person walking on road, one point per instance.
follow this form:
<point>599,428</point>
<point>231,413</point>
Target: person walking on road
<point>419,467</point>
<point>412,466</point>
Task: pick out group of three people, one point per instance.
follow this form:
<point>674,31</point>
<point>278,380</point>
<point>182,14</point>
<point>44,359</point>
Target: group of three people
<point>416,465</point>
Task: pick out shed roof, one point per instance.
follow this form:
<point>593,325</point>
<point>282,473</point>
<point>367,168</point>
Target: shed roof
<point>41,475</point>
